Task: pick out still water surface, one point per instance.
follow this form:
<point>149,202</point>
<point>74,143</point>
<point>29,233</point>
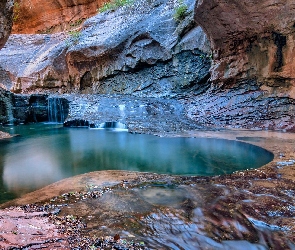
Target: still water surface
<point>46,153</point>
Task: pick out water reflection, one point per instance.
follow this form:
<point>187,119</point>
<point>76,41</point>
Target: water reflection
<point>47,153</point>
<point>30,165</point>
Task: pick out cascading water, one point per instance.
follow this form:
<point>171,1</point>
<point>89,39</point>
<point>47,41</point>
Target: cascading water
<point>10,114</point>
<point>56,112</point>
<point>113,125</point>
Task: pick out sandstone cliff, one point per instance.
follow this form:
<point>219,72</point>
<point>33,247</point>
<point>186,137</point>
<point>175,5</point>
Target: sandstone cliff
<point>6,8</point>
<point>139,49</point>
<point>34,16</point>
<point>253,68</point>
<point>251,39</point>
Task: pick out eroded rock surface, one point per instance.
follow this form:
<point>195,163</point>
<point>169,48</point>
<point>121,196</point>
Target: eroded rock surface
<point>251,39</point>
<point>139,48</point>
<point>142,115</point>
<point>142,51</point>
<point>30,230</point>
<point>6,9</point>
<point>35,16</point>
<point>251,209</point>
<point>244,104</point>
<point>6,104</point>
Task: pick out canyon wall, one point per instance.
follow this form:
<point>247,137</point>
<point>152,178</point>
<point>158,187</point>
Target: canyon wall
<point>253,69</point>
<point>142,51</point>
<point>33,16</point>
<point>138,54</point>
<point>6,9</point>
<point>251,39</point>
<point>139,49</point>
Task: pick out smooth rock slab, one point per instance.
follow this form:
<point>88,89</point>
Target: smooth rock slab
<point>20,229</point>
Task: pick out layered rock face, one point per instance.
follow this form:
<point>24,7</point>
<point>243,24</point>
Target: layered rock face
<point>141,115</point>
<point>33,16</point>
<point>252,71</point>
<point>6,9</point>
<point>138,49</point>
<point>6,115</point>
<point>251,39</point>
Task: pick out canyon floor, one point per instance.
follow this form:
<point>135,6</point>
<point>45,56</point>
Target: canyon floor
<point>252,209</point>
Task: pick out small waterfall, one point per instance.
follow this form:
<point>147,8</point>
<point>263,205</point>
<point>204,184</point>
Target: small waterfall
<point>56,112</point>
<point>122,110</point>
<point>113,125</point>
<point>10,118</point>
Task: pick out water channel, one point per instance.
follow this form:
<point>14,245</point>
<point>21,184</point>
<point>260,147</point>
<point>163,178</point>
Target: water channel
<point>45,153</point>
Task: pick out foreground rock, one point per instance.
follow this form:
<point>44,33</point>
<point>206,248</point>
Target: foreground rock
<point>4,135</point>
<point>6,9</point>
<point>30,230</point>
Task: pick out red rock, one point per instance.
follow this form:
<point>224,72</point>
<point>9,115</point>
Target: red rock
<point>20,229</point>
<point>251,39</point>
<point>6,7</point>
<point>35,16</point>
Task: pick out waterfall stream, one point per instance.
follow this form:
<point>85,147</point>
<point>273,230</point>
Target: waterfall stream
<point>113,125</point>
<point>56,112</point>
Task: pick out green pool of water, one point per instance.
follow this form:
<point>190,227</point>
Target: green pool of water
<point>45,153</point>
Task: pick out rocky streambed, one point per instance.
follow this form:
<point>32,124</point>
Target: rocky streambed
<point>251,209</point>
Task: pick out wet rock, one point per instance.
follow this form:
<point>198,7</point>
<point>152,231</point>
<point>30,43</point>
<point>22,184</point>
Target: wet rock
<point>143,115</point>
<point>6,107</point>
<point>222,214</point>
<point>244,104</point>
<point>28,230</point>
<point>16,109</point>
